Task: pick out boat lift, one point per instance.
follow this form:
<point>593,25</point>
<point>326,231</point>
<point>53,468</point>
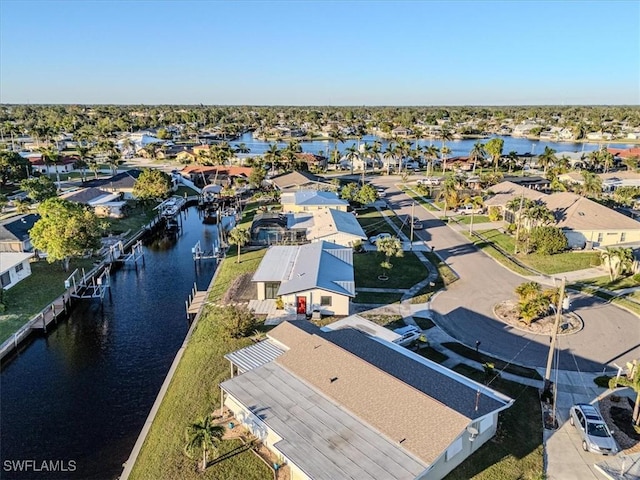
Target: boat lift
<point>88,286</point>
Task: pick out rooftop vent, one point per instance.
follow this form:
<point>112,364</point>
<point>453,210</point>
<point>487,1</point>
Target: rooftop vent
<point>333,379</point>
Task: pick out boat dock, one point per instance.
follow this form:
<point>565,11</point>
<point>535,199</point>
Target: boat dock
<point>196,300</point>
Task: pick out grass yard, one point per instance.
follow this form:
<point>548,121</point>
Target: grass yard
<point>515,453</point>
<point>631,302</point>
<point>194,392</point>
<point>137,216</point>
<point>466,219</point>
<point>248,212</point>
<point>406,271</point>
<point>377,298</point>
<point>419,198</point>
<point>498,364</point>
<point>606,283</point>
<point>373,223</point>
<point>31,295</point>
<point>548,264</point>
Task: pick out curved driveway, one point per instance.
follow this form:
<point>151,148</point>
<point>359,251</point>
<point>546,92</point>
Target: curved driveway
<point>610,334</point>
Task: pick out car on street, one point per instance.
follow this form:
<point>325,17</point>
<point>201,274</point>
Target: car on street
<point>596,436</point>
<point>409,334</point>
<point>417,224</point>
<point>380,236</point>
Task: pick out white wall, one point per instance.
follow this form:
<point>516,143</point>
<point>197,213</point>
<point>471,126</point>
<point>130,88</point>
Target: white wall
<point>16,276</point>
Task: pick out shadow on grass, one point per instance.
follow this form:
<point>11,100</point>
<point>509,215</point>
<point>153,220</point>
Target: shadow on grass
<point>231,453</point>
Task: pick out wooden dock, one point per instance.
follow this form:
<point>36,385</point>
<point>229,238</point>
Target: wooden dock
<point>196,302</point>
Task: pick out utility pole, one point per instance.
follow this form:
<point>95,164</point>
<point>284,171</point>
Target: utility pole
<point>413,205</point>
<point>515,248</point>
<point>554,336</point>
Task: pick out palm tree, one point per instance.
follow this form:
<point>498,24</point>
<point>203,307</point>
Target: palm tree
<point>547,158</point>
<point>432,154</point>
<point>242,148</point>
<point>477,153</point>
<point>444,151</point>
<point>51,155</point>
<point>606,158</point>
<point>591,185</point>
<point>494,148</point>
<point>272,155</point>
<point>390,247</point>
<point>152,150</point>
<point>389,154</point>
<point>512,159</point>
<point>352,155</point>
<point>445,136</point>
<point>630,380</point>
<point>336,137</point>
<point>240,237</point>
<point>203,435</point>
<point>84,155</point>
<point>449,193</point>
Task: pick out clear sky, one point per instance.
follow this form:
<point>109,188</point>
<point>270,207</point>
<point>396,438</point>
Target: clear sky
<point>320,52</point>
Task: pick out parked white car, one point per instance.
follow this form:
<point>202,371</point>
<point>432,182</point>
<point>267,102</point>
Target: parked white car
<point>596,436</point>
<point>468,209</point>
<point>429,181</point>
<point>380,236</point>
<point>410,334</point>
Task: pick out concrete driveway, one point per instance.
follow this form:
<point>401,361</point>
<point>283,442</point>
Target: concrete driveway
<point>610,334</point>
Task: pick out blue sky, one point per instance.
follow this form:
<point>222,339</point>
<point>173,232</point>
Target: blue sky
<point>320,53</point>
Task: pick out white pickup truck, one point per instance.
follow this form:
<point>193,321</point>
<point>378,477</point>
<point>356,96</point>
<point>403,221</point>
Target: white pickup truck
<point>468,209</point>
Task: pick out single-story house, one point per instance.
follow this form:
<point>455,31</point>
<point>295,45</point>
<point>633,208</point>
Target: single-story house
<point>505,192</point>
<point>105,204</point>
<point>343,404</point>
<point>312,160</point>
<point>120,183</point>
<point>310,200</point>
<point>328,224</point>
<point>312,277</point>
<point>610,180</point>
<point>588,224</point>
<point>14,266</point>
<point>14,233</point>
<point>298,180</point>
<point>65,165</point>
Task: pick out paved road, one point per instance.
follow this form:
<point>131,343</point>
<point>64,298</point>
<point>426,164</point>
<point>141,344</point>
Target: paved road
<point>610,334</point>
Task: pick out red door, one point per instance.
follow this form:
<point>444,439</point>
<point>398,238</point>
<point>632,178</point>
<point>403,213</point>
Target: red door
<point>301,306</point>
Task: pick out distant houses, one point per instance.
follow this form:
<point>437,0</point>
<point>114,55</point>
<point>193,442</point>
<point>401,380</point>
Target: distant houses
<point>310,200</point>
<point>343,404</point>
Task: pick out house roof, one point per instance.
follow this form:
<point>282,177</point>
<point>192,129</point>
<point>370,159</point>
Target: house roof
<point>310,198</point>
<point>326,222</point>
<point>507,191</point>
<point>88,195</point>
<point>295,179</point>
<point>365,376</point>
<point>119,181</point>
<point>17,228</point>
<point>255,355</point>
<point>322,439</point>
<point>321,265</point>
<point>8,260</point>
<point>229,170</point>
<point>365,326</point>
<point>575,212</point>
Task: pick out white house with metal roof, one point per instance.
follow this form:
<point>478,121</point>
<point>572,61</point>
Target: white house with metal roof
<point>343,404</point>
<point>313,277</point>
<point>329,224</point>
<point>310,200</point>
<point>14,266</point>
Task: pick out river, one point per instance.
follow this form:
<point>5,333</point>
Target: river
<point>81,394</point>
<point>458,147</point>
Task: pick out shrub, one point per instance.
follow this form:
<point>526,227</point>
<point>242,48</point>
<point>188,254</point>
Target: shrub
<point>511,228</point>
<point>548,240</point>
<point>495,214</point>
<point>237,321</point>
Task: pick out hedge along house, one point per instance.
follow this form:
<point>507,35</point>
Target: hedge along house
<point>313,277</point>
<point>343,404</point>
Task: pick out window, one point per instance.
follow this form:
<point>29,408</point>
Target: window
<point>271,290</point>
<point>623,237</point>
<point>454,449</point>
<point>5,279</point>
<point>19,267</point>
<point>600,237</point>
<point>325,301</point>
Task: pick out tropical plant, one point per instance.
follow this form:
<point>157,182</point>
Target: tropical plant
<point>389,247</point>
<point>39,188</point>
<point>51,156</point>
<point>366,195</point>
<point>528,290</point>
<point>591,185</point>
<point>13,167</point>
<point>352,155</point>
<point>349,191</point>
<point>547,159</point>
<point>494,148</point>
<point>477,154</point>
<point>152,184</point>
<point>240,237</point>
<point>449,194</point>
<point>203,435</point>
<point>547,240</point>
<point>630,380</point>
<point>618,261</point>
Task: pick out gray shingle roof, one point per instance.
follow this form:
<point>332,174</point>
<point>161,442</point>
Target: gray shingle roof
<point>121,180</point>
<point>17,228</point>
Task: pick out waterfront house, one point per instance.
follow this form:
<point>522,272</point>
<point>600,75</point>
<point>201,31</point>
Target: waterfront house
<point>14,233</point>
<point>14,266</point>
<point>298,181</point>
<point>343,404</point>
<point>306,278</point>
<point>104,204</point>
<point>120,183</point>
<point>328,224</point>
<point>310,200</point>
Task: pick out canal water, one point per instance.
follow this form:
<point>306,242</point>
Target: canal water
<point>458,147</point>
<point>81,394</point>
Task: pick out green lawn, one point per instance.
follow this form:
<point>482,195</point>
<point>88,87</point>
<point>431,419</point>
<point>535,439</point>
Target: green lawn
<point>138,216</point>
<point>515,453</point>
<point>373,223</point>
<point>194,392</point>
<point>248,212</point>
<point>406,271</point>
<point>31,295</point>
<point>548,264</point>
<point>419,198</point>
<point>606,283</point>
<point>466,219</point>
<point>377,298</point>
